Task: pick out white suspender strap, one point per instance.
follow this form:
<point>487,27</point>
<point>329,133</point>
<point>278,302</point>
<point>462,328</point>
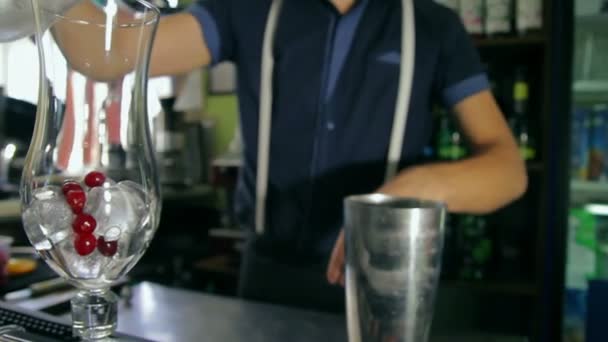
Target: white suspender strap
<point>406,78</point>
<point>265,113</point>
<point>408,45</point>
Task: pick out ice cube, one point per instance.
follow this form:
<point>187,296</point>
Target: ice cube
<point>34,233</point>
<point>48,219</point>
<point>110,207</point>
<point>55,217</point>
<point>130,244</point>
<point>117,267</point>
<point>108,183</point>
<point>120,206</point>
<point>120,211</point>
<point>47,193</point>
<point>112,234</point>
<point>136,195</point>
<point>80,267</point>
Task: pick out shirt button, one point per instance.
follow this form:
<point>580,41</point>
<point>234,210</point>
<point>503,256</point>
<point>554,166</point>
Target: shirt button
<point>330,126</point>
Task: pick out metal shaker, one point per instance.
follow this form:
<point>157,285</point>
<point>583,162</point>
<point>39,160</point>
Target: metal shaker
<point>394,248</point>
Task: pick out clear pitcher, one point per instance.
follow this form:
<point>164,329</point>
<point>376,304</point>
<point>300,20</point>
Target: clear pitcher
<point>394,248</point>
<point>90,188</point>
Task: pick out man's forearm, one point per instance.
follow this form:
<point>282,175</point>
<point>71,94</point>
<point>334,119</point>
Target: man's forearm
<point>480,184</point>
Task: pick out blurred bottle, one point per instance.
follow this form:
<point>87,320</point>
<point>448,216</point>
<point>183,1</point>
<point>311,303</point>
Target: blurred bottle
<point>498,19</point>
<point>598,148</point>
<point>519,120</point>
<point>580,139</point>
<point>476,248</point>
<point>448,140</point>
<point>581,266</point>
<point>472,15</point>
<point>528,16</point>
<point>449,147</point>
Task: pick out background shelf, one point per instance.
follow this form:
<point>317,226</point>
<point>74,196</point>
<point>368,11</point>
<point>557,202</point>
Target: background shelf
<point>583,192</point>
<point>511,41</point>
<point>495,287</point>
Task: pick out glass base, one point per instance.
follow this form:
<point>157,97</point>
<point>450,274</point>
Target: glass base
<point>94,314</point>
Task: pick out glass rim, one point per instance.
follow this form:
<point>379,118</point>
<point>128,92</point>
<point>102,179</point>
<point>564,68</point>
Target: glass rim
<point>378,200</point>
<point>131,23</point>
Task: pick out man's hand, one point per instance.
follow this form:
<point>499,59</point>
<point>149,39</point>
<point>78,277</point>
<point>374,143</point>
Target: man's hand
<point>410,183</point>
<point>492,177</point>
<point>335,269</point>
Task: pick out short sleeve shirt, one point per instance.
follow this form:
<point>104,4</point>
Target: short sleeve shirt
<point>335,90</point>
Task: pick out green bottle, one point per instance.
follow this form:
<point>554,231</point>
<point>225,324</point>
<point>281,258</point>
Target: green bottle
<point>449,141</point>
<point>519,119</point>
<point>476,248</point>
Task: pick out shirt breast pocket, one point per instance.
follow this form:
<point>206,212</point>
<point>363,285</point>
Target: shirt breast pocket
<point>381,78</point>
<point>381,87</point>
<point>389,57</point>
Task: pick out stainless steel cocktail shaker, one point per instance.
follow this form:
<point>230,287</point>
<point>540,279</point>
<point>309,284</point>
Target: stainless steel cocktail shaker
<point>394,249</point>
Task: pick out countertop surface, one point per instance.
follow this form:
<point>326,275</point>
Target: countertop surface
<point>159,313</point>
<point>164,314</point>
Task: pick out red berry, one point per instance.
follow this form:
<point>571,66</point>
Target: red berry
<point>107,248</point>
<point>85,244</point>
<point>94,178</point>
<point>76,200</point>
<point>84,224</point>
<point>69,186</point>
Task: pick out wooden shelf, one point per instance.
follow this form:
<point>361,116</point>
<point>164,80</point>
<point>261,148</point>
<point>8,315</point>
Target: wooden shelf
<point>496,287</point>
<point>511,41</point>
<point>590,91</point>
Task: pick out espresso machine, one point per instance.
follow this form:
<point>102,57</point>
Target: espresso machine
<point>183,146</point>
<point>15,136</point>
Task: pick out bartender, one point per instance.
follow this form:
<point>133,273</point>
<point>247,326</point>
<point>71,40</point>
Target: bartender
<point>318,86</point>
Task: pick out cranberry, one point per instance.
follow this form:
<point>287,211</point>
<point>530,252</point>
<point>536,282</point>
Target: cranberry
<point>107,248</point>
<point>76,200</point>
<point>84,224</point>
<point>69,186</point>
<point>85,244</point>
<point>94,178</point>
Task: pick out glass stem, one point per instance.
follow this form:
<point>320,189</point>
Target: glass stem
<point>94,314</point>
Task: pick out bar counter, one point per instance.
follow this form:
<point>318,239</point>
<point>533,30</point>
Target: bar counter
<point>159,313</point>
<point>164,314</point>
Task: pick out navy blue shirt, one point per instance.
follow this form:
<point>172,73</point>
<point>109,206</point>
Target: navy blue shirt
<point>335,88</point>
